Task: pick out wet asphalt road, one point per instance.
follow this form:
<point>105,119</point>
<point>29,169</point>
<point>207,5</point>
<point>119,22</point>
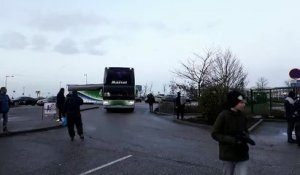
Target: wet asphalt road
<point>140,143</point>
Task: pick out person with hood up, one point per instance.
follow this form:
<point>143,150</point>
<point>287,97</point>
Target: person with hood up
<point>230,130</point>
<point>290,114</point>
<point>60,101</point>
<point>180,105</point>
<point>72,110</point>
<point>150,101</point>
<point>4,107</point>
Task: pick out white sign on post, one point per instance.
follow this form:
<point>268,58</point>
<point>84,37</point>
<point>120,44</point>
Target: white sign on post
<point>49,108</point>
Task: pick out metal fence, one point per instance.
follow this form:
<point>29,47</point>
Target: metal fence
<point>268,102</point>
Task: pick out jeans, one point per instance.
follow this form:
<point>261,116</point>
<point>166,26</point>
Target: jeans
<point>235,168</point>
<point>60,113</point>
<point>151,107</point>
<point>180,111</point>
<point>290,128</point>
<point>5,118</point>
<point>74,119</point>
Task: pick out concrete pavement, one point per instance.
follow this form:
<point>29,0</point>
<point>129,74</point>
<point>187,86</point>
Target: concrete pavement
<point>31,123</point>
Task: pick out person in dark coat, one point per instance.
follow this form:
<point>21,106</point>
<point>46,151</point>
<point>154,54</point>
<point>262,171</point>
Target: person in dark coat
<point>297,122</point>
<point>290,115</point>
<point>180,105</point>
<point>60,101</point>
<point>4,107</point>
<point>151,101</point>
<point>72,110</point>
<point>230,130</point>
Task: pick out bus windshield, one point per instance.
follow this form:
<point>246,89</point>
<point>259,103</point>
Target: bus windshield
<point>119,76</point>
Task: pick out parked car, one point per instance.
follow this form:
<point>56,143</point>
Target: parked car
<point>51,99</point>
<point>169,98</point>
<point>158,98</point>
<point>23,101</point>
<point>138,99</point>
<point>172,98</point>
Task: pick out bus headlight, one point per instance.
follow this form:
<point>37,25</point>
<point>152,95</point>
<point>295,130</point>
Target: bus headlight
<point>106,94</point>
<point>131,102</point>
<point>105,102</point>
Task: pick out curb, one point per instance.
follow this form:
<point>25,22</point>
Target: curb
<point>183,121</point>
<point>255,125</point>
<point>274,120</point>
<point>191,124</point>
<point>13,133</point>
<point>30,131</point>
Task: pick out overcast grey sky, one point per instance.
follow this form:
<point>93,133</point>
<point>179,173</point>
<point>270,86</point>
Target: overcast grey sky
<point>46,44</point>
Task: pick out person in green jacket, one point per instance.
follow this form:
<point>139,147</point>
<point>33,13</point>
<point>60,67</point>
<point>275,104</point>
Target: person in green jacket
<point>230,130</point>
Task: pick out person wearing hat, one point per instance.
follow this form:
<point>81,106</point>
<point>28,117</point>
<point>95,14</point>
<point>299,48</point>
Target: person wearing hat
<point>289,106</point>
<point>230,130</point>
<point>4,107</point>
<point>72,110</point>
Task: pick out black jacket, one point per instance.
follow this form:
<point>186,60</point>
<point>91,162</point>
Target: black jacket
<point>150,99</point>
<point>228,126</point>
<point>289,108</point>
<point>72,105</point>
<point>60,100</point>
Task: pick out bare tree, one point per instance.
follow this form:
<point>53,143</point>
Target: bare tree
<point>197,70</point>
<point>145,90</point>
<point>164,88</point>
<point>37,93</point>
<point>150,87</point>
<point>227,71</point>
<point>173,87</point>
<point>287,83</point>
<point>261,83</point>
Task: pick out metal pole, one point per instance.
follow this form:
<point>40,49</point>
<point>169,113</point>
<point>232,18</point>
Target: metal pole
<point>85,78</point>
<point>7,76</point>
<point>23,90</point>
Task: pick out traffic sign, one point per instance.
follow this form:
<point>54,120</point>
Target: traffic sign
<point>295,73</point>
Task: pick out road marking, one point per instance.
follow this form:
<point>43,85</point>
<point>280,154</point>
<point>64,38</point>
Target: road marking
<point>106,165</point>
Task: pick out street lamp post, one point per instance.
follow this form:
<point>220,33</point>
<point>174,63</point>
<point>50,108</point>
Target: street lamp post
<point>7,76</point>
<point>23,90</point>
<point>85,78</point>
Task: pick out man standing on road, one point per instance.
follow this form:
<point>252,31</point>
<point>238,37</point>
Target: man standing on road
<point>150,100</point>
<point>4,107</point>
<point>290,115</point>
<point>180,105</point>
<point>60,101</point>
<point>230,130</point>
<point>72,109</point>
